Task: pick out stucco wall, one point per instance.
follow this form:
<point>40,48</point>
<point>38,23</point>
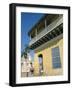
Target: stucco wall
<point>47,58</point>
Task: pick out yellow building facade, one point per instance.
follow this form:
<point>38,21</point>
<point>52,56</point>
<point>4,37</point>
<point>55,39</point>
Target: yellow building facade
<point>46,51</point>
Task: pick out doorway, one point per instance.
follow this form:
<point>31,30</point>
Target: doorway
<point>40,59</point>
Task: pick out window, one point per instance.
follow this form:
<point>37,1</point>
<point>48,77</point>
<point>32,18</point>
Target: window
<point>56,57</point>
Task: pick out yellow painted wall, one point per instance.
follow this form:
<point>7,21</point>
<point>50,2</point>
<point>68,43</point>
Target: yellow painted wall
<point>47,59</point>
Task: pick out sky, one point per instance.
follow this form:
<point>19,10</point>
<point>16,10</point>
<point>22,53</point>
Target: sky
<point>28,20</point>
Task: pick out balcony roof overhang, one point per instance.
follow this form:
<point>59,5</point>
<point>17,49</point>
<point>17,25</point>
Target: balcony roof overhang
<point>49,36</point>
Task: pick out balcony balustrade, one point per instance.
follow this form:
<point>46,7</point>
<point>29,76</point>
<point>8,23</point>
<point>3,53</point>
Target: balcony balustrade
<point>47,29</point>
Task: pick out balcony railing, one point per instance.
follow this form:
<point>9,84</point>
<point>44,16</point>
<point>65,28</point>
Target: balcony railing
<point>47,29</point>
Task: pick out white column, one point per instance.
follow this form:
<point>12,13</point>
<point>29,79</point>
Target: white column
<point>45,23</point>
<point>30,37</point>
<point>36,33</point>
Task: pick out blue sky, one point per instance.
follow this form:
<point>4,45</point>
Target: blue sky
<point>28,20</point>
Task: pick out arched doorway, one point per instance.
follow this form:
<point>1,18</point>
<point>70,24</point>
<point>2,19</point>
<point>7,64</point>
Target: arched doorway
<point>40,59</point>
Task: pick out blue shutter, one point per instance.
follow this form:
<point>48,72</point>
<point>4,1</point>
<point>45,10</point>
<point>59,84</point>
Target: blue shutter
<point>56,57</point>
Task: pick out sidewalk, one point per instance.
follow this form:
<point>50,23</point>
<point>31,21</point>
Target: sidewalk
<point>24,74</point>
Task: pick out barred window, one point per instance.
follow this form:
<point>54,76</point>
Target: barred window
<point>56,58</point>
